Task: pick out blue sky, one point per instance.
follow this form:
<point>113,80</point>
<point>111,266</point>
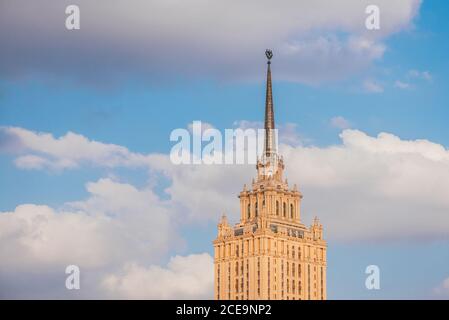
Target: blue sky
<point>137,111</point>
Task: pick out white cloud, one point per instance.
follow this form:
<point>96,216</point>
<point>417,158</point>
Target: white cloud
<point>189,277</point>
<point>340,122</point>
<point>313,41</point>
<point>43,151</point>
<point>115,223</point>
<point>372,86</point>
<point>375,188</point>
<point>401,85</point>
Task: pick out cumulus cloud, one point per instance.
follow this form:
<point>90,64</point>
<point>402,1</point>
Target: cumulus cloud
<point>116,227</point>
<point>184,277</point>
<point>380,188</point>
<point>38,150</point>
<point>115,223</point>
<point>313,41</point>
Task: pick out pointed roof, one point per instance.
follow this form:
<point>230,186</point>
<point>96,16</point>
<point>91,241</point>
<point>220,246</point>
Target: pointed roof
<point>270,145</point>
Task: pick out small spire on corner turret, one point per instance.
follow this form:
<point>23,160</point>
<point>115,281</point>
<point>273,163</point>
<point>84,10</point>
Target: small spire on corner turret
<point>224,218</point>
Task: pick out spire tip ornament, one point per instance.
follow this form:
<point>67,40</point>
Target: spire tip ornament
<point>269,55</point>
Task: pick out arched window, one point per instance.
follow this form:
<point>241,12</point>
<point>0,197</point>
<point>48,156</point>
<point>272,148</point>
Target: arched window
<point>277,207</point>
<point>248,212</point>
<point>291,211</point>
<point>257,208</point>
<point>285,210</point>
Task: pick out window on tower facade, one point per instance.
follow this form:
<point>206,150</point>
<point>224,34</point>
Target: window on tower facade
<point>277,207</point>
<point>257,208</point>
<point>291,211</point>
<point>285,210</point>
<point>248,211</point>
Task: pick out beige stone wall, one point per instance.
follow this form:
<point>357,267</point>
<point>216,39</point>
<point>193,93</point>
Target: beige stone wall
<point>268,265</point>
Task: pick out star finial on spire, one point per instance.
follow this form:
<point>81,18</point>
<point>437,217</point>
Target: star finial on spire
<point>269,55</point>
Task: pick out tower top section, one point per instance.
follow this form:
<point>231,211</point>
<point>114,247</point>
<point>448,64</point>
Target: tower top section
<point>270,166</point>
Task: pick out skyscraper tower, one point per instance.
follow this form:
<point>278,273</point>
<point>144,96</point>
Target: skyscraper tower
<point>270,253</point>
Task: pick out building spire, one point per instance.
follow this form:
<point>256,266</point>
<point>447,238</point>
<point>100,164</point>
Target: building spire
<point>270,144</point>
